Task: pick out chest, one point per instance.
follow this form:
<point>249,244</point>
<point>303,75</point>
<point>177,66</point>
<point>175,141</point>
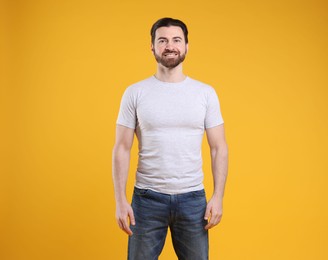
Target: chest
<point>171,109</point>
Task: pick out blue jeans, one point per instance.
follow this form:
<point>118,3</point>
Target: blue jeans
<point>182,213</point>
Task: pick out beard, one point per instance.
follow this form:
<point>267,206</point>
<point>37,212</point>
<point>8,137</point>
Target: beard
<point>170,62</point>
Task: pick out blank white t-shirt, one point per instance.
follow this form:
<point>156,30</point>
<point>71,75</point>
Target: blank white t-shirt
<point>169,120</point>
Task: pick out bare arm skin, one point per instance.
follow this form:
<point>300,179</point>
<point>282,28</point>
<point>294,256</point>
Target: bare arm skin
<point>219,160</point>
<point>121,162</point>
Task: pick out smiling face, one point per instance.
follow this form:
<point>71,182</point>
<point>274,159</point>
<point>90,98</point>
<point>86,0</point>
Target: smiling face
<point>169,46</point>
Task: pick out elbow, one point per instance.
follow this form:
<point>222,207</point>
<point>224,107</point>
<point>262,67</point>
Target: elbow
<point>120,151</point>
<point>121,147</point>
<point>120,158</point>
<point>220,150</point>
<point>223,150</point>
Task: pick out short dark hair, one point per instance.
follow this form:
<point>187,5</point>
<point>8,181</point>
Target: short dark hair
<point>166,22</point>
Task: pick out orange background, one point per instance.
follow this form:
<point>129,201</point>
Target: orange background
<point>64,66</point>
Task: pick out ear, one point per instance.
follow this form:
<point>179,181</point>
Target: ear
<point>152,47</point>
<point>187,47</point>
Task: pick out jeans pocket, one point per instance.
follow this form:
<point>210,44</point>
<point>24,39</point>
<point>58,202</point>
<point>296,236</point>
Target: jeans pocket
<point>199,194</point>
<point>140,192</point>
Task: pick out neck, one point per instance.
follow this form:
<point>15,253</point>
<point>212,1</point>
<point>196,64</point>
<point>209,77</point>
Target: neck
<point>170,75</point>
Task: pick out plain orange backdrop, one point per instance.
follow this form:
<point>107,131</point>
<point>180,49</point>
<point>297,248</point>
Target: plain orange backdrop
<point>64,67</point>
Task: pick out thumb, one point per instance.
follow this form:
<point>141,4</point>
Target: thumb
<point>207,212</point>
<point>132,219</point>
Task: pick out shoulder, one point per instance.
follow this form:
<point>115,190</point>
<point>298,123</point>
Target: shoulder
<point>201,86</point>
<point>135,90</point>
<point>142,84</point>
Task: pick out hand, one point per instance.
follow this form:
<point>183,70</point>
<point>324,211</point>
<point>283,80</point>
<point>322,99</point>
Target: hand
<point>124,213</point>
<point>213,212</point>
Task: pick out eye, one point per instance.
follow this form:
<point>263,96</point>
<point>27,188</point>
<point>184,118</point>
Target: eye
<point>161,41</point>
<point>177,40</point>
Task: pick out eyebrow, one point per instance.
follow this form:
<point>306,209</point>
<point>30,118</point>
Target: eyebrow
<point>164,38</point>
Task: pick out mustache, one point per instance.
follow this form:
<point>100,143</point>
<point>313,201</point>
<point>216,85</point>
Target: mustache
<point>168,52</point>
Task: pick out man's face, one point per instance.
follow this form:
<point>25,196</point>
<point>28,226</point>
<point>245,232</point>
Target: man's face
<point>169,47</point>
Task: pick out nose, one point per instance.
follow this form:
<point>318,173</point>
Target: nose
<point>168,46</point>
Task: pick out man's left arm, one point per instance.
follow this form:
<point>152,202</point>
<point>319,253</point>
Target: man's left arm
<point>219,160</point>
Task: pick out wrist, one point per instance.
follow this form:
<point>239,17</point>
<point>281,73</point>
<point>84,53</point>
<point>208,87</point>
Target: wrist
<point>120,198</point>
<point>217,196</point>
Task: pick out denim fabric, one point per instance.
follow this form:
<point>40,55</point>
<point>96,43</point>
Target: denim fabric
<point>182,213</point>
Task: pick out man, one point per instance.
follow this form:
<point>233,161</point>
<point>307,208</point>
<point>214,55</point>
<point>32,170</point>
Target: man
<point>169,113</point>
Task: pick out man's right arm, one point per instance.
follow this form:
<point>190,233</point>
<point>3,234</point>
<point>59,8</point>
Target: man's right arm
<point>121,162</point>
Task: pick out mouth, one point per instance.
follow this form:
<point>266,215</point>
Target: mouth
<point>170,54</point>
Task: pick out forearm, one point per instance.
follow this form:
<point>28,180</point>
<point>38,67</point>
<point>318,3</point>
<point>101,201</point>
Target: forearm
<point>124,212</point>
<point>121,161</point>
<point>219,157</point>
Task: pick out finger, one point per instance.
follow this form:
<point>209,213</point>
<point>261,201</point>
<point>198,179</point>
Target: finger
<point>215,220</point>
<point>210,224</point>
<point>125,227</point>
<point>119,224</point>
<point>132,219</point>
<point>207,213</point>
<point>128,231</point>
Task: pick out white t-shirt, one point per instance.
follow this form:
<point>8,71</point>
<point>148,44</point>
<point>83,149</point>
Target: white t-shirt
<point>169,120</point>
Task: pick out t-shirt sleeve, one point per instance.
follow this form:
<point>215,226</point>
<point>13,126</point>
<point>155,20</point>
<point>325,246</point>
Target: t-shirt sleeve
<point>127,115</point>
<point>213,115</point>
